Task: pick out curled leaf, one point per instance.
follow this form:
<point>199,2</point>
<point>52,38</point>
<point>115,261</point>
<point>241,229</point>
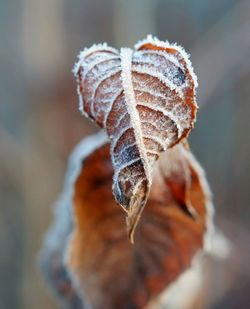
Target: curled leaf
<point>107,270</point>
<point>52,255</point>
<point>145,100</point>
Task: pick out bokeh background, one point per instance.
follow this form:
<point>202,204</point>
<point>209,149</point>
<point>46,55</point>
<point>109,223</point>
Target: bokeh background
<point>40,123</point>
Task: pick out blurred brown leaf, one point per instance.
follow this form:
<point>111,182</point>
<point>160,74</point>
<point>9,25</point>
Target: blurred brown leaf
<point>108,271</point>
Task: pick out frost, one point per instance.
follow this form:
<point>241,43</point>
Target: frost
<point>87,51</point>
<point>166,44</point>
<point>126,64</point>
<point>155,73</point>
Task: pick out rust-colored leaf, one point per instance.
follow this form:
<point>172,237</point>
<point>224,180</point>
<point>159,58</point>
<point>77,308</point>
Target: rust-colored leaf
<point>145,100</point>
<point>108,271</point>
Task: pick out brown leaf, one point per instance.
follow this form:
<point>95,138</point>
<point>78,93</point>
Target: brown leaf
<point>52,254</point>
<point>145,100</point>
<point>108,271</point>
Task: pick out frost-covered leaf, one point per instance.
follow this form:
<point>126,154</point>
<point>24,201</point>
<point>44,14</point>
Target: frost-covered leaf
<point>109,272</point>
<point>145,100</point>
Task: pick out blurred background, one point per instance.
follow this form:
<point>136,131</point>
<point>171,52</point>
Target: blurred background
<point>40,123</point>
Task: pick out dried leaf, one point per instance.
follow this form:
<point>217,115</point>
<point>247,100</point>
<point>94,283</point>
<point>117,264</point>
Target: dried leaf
<point>108,271</point>
<point>145,100</point>
<point>51,257</point>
